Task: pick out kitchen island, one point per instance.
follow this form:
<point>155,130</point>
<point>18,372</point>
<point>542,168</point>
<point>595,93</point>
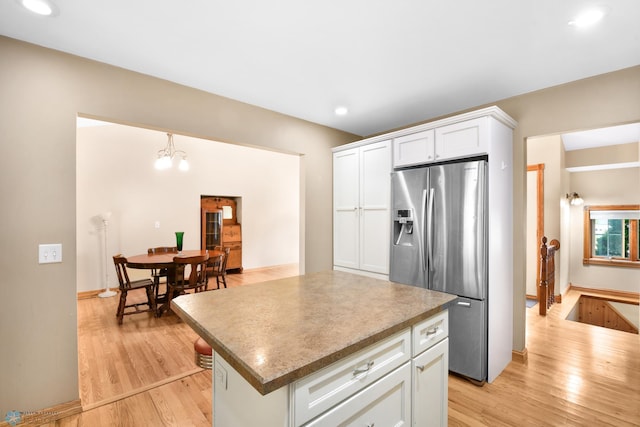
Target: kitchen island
<point>321,347</point>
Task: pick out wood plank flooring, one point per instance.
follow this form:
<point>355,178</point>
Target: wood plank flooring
<point>142,373</point>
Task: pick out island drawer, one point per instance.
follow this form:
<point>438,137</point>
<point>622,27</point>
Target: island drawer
<point>430,331</point>
<point>326,388</point>
<point>385,403</point>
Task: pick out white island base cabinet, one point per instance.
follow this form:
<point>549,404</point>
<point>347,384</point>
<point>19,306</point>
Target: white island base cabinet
<point>401,380</point>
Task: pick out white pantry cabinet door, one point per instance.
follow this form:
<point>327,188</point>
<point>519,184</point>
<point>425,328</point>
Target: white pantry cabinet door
<point>361,207</point>
<point>375,195</point>
<point>346,195</point>
<point>430,386</point>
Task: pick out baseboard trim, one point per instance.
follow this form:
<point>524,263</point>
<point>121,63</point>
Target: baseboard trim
<point>520,356</point>
<point>47,415</point>
<point>91,294</point>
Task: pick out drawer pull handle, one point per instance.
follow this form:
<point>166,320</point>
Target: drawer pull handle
<point>433,330</point>
<point>421,368</point>
<point>363,370</point>
<point>371,425</point>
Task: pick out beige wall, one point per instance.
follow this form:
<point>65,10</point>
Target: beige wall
<point>547,150</point>
<point>42,91</point>
<point>622,153</point>
<point>605,187</point>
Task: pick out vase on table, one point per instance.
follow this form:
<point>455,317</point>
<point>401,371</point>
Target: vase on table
<point>179,236</point>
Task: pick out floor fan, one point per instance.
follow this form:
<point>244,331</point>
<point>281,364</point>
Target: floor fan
<point>105,225</point>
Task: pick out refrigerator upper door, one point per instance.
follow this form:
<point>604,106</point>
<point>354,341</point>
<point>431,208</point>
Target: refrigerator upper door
<point>409,192</point>
<point>457,229</point>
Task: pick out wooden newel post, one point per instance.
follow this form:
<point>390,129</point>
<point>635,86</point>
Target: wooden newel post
<point>543,285</point>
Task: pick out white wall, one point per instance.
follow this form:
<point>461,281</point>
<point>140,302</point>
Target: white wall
<point>115,173</point>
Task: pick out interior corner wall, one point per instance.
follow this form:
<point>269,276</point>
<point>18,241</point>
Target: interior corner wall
<point>42,92</point>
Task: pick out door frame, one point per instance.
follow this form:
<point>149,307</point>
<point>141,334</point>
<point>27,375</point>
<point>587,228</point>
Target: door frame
<point>539,169</point>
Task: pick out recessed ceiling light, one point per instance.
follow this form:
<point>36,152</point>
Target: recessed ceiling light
<point>588,18</point>
<point>341,111</point>
<point>40,7</point>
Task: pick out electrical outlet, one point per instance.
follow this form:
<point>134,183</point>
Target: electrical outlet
<point>156,224</point>
<point>50,253</point>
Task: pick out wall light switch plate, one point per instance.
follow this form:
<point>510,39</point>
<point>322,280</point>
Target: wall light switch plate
<point>50,253</point>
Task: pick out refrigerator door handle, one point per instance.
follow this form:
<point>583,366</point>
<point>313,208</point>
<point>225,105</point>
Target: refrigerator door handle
<point>430,227</point>
<point>421,234</point>
<point>464,304</point>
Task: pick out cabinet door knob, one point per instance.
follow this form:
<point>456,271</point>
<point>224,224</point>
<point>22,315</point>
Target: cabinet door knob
<point>421,368</point>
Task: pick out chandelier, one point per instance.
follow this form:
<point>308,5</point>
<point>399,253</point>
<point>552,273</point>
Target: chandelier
<point>166,155</point>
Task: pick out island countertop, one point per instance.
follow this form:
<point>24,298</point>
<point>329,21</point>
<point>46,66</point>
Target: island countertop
<point>276,332</point>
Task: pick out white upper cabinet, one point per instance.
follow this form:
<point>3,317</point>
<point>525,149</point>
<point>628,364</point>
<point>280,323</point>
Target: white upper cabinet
<point>462,139</point>
<point>414,149</point>
<point>466,135</point>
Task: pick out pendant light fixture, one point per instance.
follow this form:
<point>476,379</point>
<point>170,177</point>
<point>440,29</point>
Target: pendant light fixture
<point>166,155</point>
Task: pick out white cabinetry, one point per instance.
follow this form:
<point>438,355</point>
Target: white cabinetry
<point>398,381</point>
<point>385,403</point>
<point>361,200</point>
<point>463,139</point>
<point>414,149</point>
<point>430,386</point>
<point>328,387</point>
<point>430,366</point>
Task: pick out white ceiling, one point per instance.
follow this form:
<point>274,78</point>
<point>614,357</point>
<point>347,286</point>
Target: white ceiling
<point>392,63</point>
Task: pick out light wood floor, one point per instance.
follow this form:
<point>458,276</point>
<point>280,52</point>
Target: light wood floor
<point>142,373</point>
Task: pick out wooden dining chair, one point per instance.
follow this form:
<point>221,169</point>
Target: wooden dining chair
<point>127,285</point>
<point>191,275</point>
<point>157,274</point>
<point>219,270</point>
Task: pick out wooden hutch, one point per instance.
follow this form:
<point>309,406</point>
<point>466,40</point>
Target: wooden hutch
<point>220,227</point>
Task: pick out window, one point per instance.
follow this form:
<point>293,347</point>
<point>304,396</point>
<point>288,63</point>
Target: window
<point>612,235</point>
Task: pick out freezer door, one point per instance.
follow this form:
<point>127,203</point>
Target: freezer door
<point>409,192</point>
<point>468,338</point>
<point>457,229</point>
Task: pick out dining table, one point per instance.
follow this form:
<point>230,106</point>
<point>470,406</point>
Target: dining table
<point>157,261</point>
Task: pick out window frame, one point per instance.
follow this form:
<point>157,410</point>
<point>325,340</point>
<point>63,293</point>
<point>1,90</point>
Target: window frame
<point>634,255</point>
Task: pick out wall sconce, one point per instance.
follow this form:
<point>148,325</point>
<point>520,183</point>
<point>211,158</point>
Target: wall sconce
<point>166,155</point>
<point>574,199</point>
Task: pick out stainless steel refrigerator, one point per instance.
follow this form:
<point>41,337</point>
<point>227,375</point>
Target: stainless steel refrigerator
<point>439,242</point>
